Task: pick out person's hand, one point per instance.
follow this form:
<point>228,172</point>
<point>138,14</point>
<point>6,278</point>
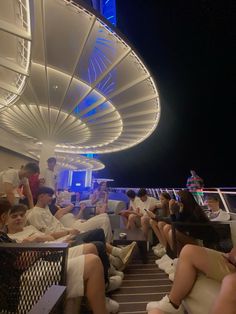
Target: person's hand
<point>173,206</point>
<point>74,232</point>
<point>70,239</point>
<point>151,214</point>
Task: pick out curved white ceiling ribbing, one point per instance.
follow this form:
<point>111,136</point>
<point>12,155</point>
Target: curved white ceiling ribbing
<point>15,49</point>
<point>88,90</point>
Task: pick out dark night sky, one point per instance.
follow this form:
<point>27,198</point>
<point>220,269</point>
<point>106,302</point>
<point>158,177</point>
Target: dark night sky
<point>188,46</point>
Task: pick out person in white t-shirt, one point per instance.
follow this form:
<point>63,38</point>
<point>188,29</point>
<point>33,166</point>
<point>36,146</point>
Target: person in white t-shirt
<point>48,176</point>
<point>84,269</point>
<point>11,179</point>
<point>215,213</point>
<point>133,206</point>
<point>140,216</point>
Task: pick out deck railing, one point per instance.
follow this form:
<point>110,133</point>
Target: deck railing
<point>227,195</point>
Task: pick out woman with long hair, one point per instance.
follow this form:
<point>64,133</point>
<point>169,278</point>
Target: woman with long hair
<point>184,209</point>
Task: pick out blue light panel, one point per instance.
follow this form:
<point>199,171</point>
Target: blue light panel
<point>108,10</point>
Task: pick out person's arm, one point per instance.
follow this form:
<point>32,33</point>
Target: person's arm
<point>38,239</point>
<point>106,198</point>
<point>59,234</point>
<point>94,198</point>
<point>154,204</point>
<point>28,194</point>
<point>9,190</point>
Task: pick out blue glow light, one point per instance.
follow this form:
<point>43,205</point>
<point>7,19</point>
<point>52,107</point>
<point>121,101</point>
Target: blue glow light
<point>108,10</point>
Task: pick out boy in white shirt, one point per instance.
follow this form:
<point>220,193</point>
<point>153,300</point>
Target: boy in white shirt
<point>215,213</point>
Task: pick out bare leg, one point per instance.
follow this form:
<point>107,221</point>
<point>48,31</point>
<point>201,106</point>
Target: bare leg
<point>94,284</point>
<point>161,225</point>
<point>191,260</point>
<point>226,300</point>
<point>145,225</point>
<point>155,228</point>
<point>168,235</point>
<point>90,248</point>
<point>156,311</point>
<point>124,216</point>
<point>131,221</point>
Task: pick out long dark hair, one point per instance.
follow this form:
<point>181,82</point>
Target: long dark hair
<point>165,207</point>
<point>191,208</point>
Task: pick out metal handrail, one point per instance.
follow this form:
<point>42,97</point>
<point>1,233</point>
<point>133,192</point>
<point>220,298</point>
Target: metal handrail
<point>221,191</point>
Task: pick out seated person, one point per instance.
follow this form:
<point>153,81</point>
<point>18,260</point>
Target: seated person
<point>84,269</point>
<point>133,206</point>
<point>140,217</point>
<point>158,225</point>
<point>41,217</point>
<point>183,209</point>
<point>214,212</point>
<point>193,260</point>
<point>99,198</point>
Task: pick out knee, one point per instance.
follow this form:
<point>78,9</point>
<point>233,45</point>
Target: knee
<point>166,229</point>
<point>188,251</point>
<point>90,248</point>
<point>131,217</point>
<point>161,224</point>
<point>92,264</point>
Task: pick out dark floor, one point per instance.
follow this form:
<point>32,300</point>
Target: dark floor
<point>142,283</point>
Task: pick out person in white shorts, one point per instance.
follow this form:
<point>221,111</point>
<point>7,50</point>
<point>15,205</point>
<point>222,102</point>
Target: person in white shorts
<point>82,261</point>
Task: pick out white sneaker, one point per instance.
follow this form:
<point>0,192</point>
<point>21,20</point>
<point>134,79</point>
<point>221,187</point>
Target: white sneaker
<point>172,276</point>
<point>165,306</point>
<point>113,272</point>
<point>112,306</point>
<point>164,258</point>
<point>114,283</point>
<point>116,262</point>
<point>126,253</point>
<point>170,269</point>
<point>158,246</point>
<point>160,252</point>
<point>165,265</point>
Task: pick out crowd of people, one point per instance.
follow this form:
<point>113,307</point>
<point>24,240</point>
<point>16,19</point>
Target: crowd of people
<point>193,258</point>
<point>95,267</point>
<point>90,270</point>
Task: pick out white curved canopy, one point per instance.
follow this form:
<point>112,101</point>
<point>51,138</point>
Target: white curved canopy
<point>15,49</point>
<point>88,90</point>
<point>73,162</point>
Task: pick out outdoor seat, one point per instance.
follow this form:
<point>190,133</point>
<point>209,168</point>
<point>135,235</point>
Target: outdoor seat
<point>32,277</point>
